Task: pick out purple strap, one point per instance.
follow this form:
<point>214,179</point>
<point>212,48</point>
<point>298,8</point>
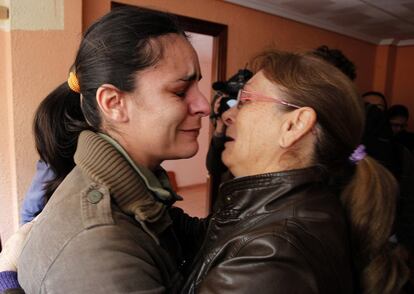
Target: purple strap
<point>8,280</point>
<point>358,154</point>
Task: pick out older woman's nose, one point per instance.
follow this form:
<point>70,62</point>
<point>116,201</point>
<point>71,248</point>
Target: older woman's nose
<point>229,116</point>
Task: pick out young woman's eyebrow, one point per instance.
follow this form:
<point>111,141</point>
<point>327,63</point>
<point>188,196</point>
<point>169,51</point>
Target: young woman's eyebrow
<point>191,78</point>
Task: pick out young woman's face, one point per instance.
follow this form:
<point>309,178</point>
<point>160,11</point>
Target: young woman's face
<point>167,106</point>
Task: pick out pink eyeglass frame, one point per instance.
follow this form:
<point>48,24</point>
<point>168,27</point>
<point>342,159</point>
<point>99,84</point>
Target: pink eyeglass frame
<point>252,96</point>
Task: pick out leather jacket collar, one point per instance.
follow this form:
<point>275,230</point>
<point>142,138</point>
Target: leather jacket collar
<point>239,197</point>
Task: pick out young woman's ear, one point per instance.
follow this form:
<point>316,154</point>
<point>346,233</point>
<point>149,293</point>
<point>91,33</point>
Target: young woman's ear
<point>112,104</point>
<point>298,124</point>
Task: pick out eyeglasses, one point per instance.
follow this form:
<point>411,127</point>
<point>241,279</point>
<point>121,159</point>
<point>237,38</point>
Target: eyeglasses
<point>244,96</point>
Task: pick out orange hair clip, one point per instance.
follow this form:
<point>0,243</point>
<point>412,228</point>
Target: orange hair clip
<point>73,82</point>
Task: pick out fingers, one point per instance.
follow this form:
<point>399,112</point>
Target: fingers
<point>13,247</point>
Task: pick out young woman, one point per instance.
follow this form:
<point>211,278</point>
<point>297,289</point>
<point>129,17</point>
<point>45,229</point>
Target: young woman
<point>131,101</point>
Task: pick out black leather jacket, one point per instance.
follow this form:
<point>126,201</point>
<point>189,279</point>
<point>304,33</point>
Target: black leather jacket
<point>275,233</point>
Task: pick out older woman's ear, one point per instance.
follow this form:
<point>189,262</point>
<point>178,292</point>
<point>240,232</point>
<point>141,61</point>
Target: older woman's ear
<point>297,125</point>
<point>112,104</point>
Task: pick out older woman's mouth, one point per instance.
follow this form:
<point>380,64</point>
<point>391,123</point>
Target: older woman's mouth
<point>227,139</point>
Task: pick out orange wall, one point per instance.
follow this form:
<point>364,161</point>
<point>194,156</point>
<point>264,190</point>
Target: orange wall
<point>8,203</point>
<point>382,69</point>
<point>250,31</point>
<point>33,63</point>
<point>383,78</point>
<point>36,72</point>
<point>403,80</point>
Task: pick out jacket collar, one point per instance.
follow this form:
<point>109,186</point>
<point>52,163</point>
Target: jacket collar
<point>104,164</point>
<point>257,194</point>
<point>156,181</point>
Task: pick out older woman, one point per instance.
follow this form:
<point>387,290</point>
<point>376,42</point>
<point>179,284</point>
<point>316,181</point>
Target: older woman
<point>308,211</point>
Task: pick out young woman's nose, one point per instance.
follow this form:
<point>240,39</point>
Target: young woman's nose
<point>198,104</point>
<point>229,116</point>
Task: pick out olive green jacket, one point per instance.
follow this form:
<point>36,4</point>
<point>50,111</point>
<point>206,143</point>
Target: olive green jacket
<point>103,231</point>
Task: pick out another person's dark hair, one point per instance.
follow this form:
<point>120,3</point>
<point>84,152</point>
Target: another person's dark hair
<point>338,59</point>
<point>375,93</point>
<point>113,49</point>
<point>368,191</point>
<point>398,110</point>
<point>57,124</point>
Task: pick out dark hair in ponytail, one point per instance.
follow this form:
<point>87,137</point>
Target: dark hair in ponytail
<point>57,124</point>
<point>113,49</point>
<point>367,190</point>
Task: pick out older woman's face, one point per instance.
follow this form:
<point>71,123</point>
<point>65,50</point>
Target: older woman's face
<point>165,117</point>
<point>254,131</point>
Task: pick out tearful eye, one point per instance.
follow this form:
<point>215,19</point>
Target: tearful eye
<point>180,94</point>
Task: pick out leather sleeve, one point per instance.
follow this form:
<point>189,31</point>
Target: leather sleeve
<point>13,291</point>
<point>261,267</point>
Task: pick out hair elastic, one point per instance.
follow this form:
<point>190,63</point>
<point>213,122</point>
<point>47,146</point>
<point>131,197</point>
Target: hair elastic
<point>73,82</point>
<point>358,154</point>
